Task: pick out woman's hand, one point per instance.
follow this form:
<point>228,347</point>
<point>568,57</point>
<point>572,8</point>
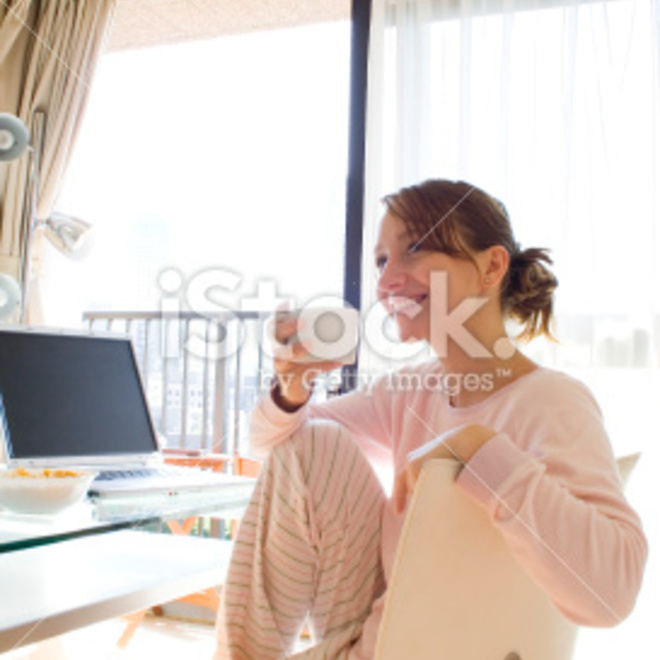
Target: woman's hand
<point>460,444</point>
<point>295,375</point>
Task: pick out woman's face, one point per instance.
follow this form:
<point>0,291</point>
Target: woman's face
<point>404,279</point>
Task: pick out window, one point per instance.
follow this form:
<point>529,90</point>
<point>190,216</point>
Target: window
<point>554,111</point>
<point>552,107</point>
<point>227,154</point>
<point>214,172</point>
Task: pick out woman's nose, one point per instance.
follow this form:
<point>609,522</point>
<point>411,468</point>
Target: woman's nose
<point>391,278</point>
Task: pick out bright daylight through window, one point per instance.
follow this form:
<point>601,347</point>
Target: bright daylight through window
<point>214,172</point>
<point>220,154</point>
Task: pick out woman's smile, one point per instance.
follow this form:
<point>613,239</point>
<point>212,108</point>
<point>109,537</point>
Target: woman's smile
<point>409,304</point>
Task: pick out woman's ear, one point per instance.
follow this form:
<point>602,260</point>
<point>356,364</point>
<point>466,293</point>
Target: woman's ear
<point>494,265</point>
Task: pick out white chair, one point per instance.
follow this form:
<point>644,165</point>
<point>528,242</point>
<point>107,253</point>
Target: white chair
<point>457,593</point>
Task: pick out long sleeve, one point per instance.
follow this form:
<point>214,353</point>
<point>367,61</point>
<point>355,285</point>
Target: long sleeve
<point>550,484</point>
<point>364,413</point>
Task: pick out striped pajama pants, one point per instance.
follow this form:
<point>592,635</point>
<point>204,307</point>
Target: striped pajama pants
<point>307,550</point>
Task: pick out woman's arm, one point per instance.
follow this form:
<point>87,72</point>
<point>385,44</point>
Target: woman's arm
<point>557,500</point>
<point>364,413</point>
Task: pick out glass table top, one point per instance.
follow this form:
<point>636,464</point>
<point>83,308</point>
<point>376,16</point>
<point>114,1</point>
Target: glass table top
<point>99,515</point>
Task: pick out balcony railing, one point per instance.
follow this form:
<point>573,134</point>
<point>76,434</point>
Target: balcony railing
<point>202,373</point>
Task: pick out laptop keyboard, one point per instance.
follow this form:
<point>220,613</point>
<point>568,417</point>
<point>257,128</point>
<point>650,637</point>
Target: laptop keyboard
<point>141,473</point>
<point>144,479</point>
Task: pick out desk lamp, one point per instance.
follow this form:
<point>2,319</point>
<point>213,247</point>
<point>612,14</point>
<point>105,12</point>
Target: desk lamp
<point>65,232</point>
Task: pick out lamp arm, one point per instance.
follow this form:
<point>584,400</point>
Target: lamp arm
<point>28,217</point>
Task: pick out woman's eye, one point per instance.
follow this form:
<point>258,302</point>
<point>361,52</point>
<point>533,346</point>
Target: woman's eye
<point>416,246</point>
<point>380,262</point>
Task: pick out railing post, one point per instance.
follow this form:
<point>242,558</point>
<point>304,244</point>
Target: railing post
<point>219,421</point>
<point>183,354</point>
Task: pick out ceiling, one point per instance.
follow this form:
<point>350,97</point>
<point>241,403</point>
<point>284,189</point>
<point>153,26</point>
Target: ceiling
<point>143,23</point>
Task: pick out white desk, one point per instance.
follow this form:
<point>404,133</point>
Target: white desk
<point>53,589</point>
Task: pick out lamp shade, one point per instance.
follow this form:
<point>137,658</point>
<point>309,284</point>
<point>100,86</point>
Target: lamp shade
<point>67,233</point>
<point>14,137</point>
<point>10,296</point>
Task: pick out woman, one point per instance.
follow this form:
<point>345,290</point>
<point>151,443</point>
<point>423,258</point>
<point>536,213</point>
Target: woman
<point>319,536</point>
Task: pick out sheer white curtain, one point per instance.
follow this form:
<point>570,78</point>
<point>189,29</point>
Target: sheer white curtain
<point>553,107</point>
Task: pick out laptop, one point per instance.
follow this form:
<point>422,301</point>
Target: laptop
<point>76,400</point>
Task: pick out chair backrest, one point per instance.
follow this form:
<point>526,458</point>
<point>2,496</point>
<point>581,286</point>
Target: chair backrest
<point>626,465</point>
<point>456,591</point>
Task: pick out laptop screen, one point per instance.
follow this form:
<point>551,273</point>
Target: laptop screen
<point>67,396</point>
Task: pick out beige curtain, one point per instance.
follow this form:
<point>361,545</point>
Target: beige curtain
<point>48,53</point>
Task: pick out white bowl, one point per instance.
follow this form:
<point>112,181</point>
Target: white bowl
<point>29,490</point>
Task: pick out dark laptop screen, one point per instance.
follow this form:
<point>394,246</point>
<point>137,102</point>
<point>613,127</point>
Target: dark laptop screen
<point>71,395</point>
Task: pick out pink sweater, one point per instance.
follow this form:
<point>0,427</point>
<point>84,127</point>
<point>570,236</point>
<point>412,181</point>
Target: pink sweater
<point>548,478</point>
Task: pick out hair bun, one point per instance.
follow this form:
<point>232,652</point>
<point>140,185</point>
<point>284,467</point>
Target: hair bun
<point>528,295</point>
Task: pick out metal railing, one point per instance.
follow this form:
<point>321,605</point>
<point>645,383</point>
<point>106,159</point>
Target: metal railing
<point>202,373</point>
